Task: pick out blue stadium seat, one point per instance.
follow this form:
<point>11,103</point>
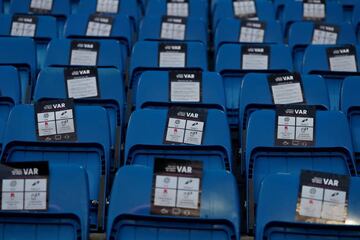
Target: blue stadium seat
<point>293,12</point>
<point>4,6</point>
<point>61,9</point>
<point>316,62</point>
<point>129,8</point>
<point>51,84</point>
<point>59,54</point>
<point>279,6</point>
<point>332,151</point>
<point>9,94</point>
<point>44,33</point>
<point>212,91</point>
<point>121,30</point>
<point>277,203</point>
<point>20,53</point>
<point>301,36</point>
<point>67,214</point>
<point>356,20</point>
<point>144,140</point>
<point>256,95</point>
<point>195,30</point>
<point>225,32</point>
<point>349,8</point>
<point>196,8</point>
<point>145,58</point>
<point>229,64</point>
<point>91,150</point>
<point>224,9</point>
<point>130,218</point>
<point>142,5</point>
<point>214,4</point>
<point>74,6</point>
<point>350,105</point>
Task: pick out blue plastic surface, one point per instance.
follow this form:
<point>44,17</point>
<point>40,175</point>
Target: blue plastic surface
<point>301,35</point>
<point>316,62</point>
<point>61,9</point>
<point>356,20</point>
<point>229,32</point>
<point>256,95</point>
<point>276,212</point>
<point>45,32</point>
<point>51,85</point>
<point>9,94</point>
<point>20,53</point>
<point>130,218</point>
<point>332,152</point>
<point>228,64</point>
<point>197,9</point>
<point>212,91</point>
<point>67,214</point>
<point>59,54</point>
<point>145,58</point>
<point>350,105</point>
<point>224,9</point>
<point>90,151</point>
<point>293,12</point>
<point>126,7</point>
<point>121,30</point>
<point>150,30</point>
<point>144,140</point>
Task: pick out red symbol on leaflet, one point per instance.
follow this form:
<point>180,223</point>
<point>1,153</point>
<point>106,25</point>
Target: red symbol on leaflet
<point>12,196</point>
<point>311,201</point>
<point>165,191</point>
<point>46,124</point>
<point>175,130</point>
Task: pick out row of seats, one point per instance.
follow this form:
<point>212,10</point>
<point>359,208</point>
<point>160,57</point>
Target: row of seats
<point>286,12</point>
<point>61,10</point>
<point>315,60</point>
<point>169,46</point>
<point>247,58</point>
<point>35,71</point>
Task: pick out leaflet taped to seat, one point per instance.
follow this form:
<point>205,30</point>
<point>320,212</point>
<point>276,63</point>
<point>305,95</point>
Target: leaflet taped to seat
<point>107,6</point>
<point>172,55</point>
<point>314,10</point>
<point>185,126</point>
<point>99,25</point>
<point>82,82</point>
<point>176,187</point>
<point>41,6</point>
<point>55,120</point>
<point>322,198</point>
<point>286,88</point>
<point>342,59</point>
<point>23,25</point>
<point>252,32</point>
<point>24,186</point>
<point>177,8</point>
<point>173,28</point>
<point>84,53</point>
<point>245,9</point>
<point>185,86</point>
<point>255,57</point>
<point>325,34</point>
<point>295,125</point>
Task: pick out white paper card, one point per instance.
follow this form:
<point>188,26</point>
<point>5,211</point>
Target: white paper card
<point>107,6</point>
